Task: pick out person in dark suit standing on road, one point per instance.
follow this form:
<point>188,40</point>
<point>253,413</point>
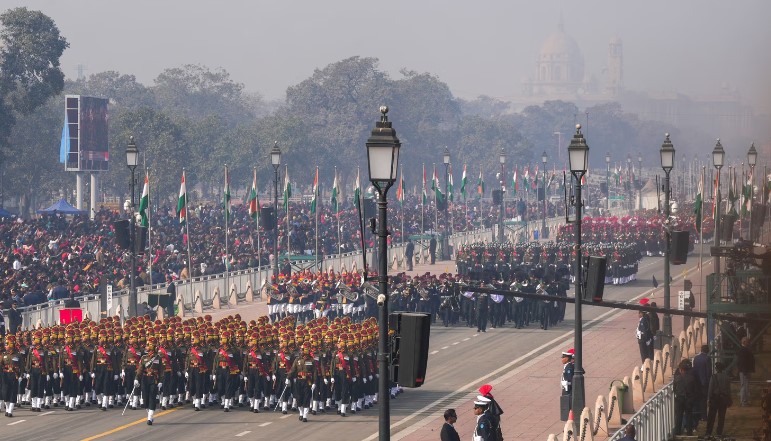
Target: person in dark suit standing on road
<point>409,251</point>
<point>432,249</point>
<point>15,320</point>
<point>448,432</point>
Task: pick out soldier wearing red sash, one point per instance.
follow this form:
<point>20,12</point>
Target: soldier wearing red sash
<point>72,371</point>
<point>130,362</point>
<point>196,368</point>
<point>227,362</point>
<point>38,369</point>
<point>11,369</point>
<point>149,377</point>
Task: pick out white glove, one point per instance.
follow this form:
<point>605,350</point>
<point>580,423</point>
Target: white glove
<point>287,381</point>
<point>364,380</point>
<point>213,377</point>
<point>246,380</point>
<point>187,375</point>
<point>313,387</point>
<point>80,377</point>
<point>326,381</point>
<point>160,385</point>
<point>353,379</point>
<point>48,378</point>
<point>56,375</point>
<point>564,384</point>
<point>122,374</point>
<point>115,377</point>
<point>332,380</point>
<point>267,377</point>
<point>370,378</point>
<point>179,374</point>
<point>136,383</point>
<point>93,375</point>
<point>26,376</point>
<point>274,377</point>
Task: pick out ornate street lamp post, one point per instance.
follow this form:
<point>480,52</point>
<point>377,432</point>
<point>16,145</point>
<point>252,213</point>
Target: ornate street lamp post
<point>578,155</point>
<point>501,227</point>
<point>383,159</point>
<point>667,163</point>
<point>718,155</point>
<point>752,159</point>
<point>132,159</point>
<point>544,233</point>
<point>275,160</point>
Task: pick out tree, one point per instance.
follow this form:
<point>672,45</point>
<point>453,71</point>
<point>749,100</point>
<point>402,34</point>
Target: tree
<point>30,48</point>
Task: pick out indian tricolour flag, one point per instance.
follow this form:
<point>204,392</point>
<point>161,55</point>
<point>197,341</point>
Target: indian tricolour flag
<point>182,201</point>
<point>144,202</point>
<point>314,200</point>
<point>226,196</point>
<point>335,194</point>
<point>463,181</point>
<point>254,204</point>
<point>287,190</point>
<point>697,205</point>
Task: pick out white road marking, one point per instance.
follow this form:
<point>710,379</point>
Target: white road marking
<point>244,433</point>
<point>285,416</point>
<point>265,424</point>
<point>455,343</point>
<point>16,422</point>
<point>47,413</point>
<point>445,347</point>
<point>467,339</point>
<point>529,356</point>
<point>434,352</point>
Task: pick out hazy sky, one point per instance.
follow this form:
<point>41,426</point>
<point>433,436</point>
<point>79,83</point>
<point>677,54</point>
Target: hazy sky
<point>476,47</point>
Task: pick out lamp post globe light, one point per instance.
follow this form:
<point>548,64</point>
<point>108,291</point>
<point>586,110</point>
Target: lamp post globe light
<point>383,162</point>
<point>752,159</point>
<point>544,233</point>
<point>718,156</point>
<point>607,180</point>
<point>578,156</point>
<point>502,187</point>
<point>132,159</point>
<point>667,153</point>
<point>275,160</point>
<point>447,232</point>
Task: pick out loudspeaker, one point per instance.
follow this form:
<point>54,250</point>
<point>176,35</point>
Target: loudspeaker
<point>595,279</point>
<point>679,243</point>
<point>267,218</point>
<point>441,204</point>
<point>412,348</point>
<point>727,227</point>
<point>541,194</point>
<point>497,197</point>
<point>603,188</point>
<point>369,208</point>
<point>122,235</point>
<point>141,240</point>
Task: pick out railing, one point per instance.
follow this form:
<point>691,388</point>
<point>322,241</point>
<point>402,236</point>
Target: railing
<point>655,420</point>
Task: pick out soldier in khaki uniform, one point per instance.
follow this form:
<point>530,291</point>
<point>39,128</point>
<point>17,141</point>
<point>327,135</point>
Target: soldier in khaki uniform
<point>148,378</point>
<point>12,370</point>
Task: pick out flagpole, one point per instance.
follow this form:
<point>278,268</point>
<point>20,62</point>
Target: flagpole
<point>337,215</point>
<point>287,184</point>
<point>423,203</point>
<point>187,232</point>
<point>436,200</point>
<point>743,201</point>
<point>226,212</point>
<point>701,235</point>
<point>316,218</point>
<point>257,203</point>
<point>401,206</point>
<point>149,227</point>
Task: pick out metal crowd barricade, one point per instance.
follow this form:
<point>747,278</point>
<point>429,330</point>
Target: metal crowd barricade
<point>655,419</point>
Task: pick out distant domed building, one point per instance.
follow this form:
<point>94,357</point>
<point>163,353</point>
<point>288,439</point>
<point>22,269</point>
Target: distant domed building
<point>560,66</point>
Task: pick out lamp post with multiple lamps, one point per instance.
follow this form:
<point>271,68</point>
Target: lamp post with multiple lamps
<point>132,159</point>
<point>667,153</point>
<point>502,188</point>
<point>275,160</point>
<point>447,232</point>
<point>544,233</point>
<point>578,155</point>
<point>752,159</point>
<point>718,155</point>
<point>383,161</point>
<point>607,180</point>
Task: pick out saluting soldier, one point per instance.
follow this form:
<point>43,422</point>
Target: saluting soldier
<point>149,374</point>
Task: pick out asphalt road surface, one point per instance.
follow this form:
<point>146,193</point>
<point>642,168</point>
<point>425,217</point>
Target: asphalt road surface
<point>460,361</point>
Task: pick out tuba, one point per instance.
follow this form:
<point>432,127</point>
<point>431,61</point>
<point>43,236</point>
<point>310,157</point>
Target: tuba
<point>344,290</point>
<point>370,290</point>
<point>268,290</point>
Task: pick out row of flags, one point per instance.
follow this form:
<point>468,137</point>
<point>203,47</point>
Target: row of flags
<point>733,195</point>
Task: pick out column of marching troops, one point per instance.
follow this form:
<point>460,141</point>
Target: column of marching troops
<point>314,367</point>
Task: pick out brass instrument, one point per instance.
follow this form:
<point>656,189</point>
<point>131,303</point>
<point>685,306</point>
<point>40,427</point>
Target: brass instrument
<point>370,290</point>
<point>344,290</point>
<point>424,294</point>
<point>268,290</point>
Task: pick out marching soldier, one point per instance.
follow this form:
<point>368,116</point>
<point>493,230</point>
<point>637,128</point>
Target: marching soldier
<point>255,373</point>
<point>196,368</point>
<point>38,369</point>
<point>149,377</point>
<point>72,371</point>
<point>105,371</point>
<point>130,362</point>
<point>12,370</point>
<point>282,362</point>
<point>342,376</point>
<point>227,362</point>
<point>304,374</point>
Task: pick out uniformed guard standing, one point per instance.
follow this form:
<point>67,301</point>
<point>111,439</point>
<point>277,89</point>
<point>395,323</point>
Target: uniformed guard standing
<point>150,371</point>
<point>566,382</point>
